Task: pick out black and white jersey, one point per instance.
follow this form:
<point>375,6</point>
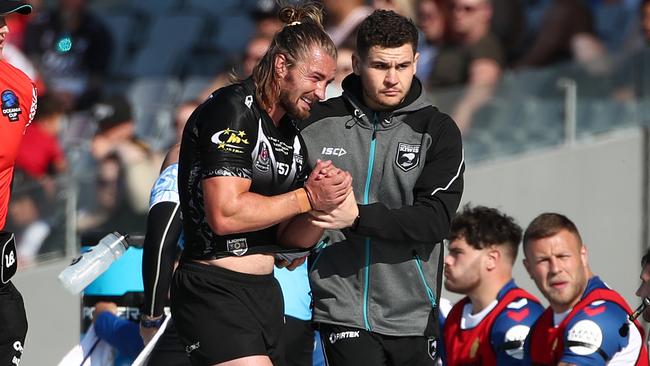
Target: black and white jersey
<point>230,135</point>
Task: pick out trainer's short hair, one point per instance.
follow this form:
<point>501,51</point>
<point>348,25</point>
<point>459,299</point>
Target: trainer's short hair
<point>549,224</point>
<point>482,227</point>
<point>386,29</point>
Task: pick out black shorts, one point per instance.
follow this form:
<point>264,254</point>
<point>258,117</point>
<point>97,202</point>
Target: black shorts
<point>169,351</point>
<point>298,342</point>
<point>221,315</point>
<point>13,325</point>
<point>346,346</point>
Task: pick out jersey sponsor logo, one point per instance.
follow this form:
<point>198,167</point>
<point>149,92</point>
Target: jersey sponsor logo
<point>280,146</point>
<point>518,315</point>
<point>474,348</point>
<point>334,337</point>
<point>299,160</point>
<point>248,101</point>
<point>333,151</point>
<point>432,348</point>
<point>585,337</point>
<point>237,247</point>
<point>230,140</point>
<point>408,156</point>
<point>514,339</point>
<point>192,347</point>
<point>10,105</point>
<point>262,163</point>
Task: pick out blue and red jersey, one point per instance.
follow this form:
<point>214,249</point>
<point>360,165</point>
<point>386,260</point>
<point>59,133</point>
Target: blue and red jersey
<point>499,336</point>
<point>595,332</point>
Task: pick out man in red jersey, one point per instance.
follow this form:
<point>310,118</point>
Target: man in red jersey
<point>18,98</point>
<point>487,327</point>
<point>587,323</point>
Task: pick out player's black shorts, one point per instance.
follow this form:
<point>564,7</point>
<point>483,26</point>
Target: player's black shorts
<point>13,325</point>
<point>221,315</point>
<point>346,346</point>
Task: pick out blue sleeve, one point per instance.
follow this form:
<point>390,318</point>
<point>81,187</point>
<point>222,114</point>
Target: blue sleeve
<point>510,330</point>
<point>441,344</point>
<point>592,337</point>
<point>120,333</point>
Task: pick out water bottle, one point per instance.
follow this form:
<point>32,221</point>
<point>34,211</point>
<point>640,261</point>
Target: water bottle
<point>89,265</point>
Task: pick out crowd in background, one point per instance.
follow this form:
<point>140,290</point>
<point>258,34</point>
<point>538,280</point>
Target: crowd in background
<point>88,135</point>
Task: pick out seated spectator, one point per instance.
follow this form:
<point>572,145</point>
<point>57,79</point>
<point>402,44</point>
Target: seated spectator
<point>474,56</point>
<point>40,154</point>
<point>181,115</point>
<point>26,222</point>
<point>265,17</point>
<point>116,135</point>
<point>631,78</point>
<point>113,209</point>
<point>402,7</point>
<point>342,19</point>
<point>343,69</point>
<point>255,50</point>
<point>72,49</point>
<point>432,20</point>
<point>566,33</point>
<point>509,24</point>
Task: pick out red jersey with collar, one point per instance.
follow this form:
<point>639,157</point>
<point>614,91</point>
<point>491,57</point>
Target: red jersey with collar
<point>473,346</point>
<point>18,100</point>
<point>547,342</point>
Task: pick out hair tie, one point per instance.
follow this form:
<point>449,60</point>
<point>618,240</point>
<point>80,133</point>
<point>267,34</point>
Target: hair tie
<point>294,23</point>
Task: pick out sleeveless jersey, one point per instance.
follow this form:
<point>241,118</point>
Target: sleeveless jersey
<point>230,135</point>
<point>476,346</point>
<point>585,338</point>
<point>18,96</point>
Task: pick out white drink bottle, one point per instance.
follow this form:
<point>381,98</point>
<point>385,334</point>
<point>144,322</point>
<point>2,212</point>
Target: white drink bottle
<point>89,265</point>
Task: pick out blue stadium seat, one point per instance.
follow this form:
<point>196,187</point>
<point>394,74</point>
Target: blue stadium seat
<point>122,28</point>
<point>171,40</point>
<point>152,101</point>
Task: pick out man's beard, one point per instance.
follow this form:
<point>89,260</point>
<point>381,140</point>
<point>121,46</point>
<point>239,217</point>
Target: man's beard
<point>290,107</point>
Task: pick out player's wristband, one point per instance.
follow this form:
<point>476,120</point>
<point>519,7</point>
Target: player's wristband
<point>148,322</point>
<point>303,200</point>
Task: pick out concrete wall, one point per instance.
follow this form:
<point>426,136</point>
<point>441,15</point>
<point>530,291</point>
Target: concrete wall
<point>52,313</point>
<point>598,185</point>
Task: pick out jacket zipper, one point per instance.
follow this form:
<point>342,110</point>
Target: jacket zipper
<point>430,295</point>
<point>366,194</point>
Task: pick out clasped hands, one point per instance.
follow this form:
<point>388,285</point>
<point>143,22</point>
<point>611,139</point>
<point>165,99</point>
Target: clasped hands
<point>331,196</point>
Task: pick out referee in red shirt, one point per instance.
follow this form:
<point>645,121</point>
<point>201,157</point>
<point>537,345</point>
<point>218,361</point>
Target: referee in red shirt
<point>18,98</point>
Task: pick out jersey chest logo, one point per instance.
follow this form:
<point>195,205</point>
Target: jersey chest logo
<point>408,156</point>
<point>10,105</point>
<point>432,347</point>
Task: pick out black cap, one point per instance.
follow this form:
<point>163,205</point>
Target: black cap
<point>11,6</point>
<point>112,112</point>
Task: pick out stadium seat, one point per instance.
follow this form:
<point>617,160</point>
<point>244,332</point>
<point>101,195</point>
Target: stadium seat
<point>171,40</point>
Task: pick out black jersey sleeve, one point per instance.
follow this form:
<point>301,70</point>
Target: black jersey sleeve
<point>159,252</point>
<point>228,130</point>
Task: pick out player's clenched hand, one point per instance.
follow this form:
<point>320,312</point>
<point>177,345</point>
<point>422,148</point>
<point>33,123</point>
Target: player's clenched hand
<point>327,186</point>
<point>340,217</point>
<point>283,263</point>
